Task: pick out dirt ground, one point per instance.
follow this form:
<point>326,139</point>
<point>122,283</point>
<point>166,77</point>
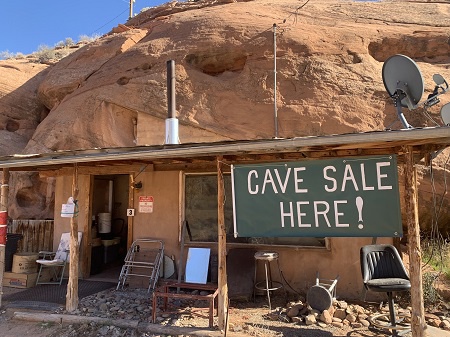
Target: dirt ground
<point>245,319</point>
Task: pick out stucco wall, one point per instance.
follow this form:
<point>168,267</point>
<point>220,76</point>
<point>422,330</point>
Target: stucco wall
<point>163,222</point>
<point>299,266</point>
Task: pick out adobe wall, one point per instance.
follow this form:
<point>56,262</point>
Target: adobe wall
<point>299,265</point>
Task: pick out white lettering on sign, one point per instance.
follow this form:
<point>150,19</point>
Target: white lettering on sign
<point>292,217</point>
<point>323,213</point>
<point>249,186</point>
<point>299,180</point>
<point>363,174</point>
<point>348,176</point>
<point>327,177</point>
<point>381,176</point>
<point>280,183</point>
<point>277,182</point>
<point>268,179</point>
<point>286,179</point>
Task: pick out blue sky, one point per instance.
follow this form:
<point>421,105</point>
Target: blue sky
<point>27,24</point>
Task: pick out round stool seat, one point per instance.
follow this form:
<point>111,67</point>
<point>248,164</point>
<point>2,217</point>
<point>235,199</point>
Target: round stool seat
<point>267,256</point>
<point>319,298</point>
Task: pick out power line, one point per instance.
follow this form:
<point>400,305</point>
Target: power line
<point>95,31</point>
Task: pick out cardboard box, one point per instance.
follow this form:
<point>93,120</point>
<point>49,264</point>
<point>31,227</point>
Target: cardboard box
<point>20,280</point>
<point>25,263</point>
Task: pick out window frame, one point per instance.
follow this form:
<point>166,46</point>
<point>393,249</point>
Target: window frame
<point>188,242</point>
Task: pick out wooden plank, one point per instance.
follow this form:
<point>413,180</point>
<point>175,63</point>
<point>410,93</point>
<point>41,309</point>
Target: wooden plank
<point>34,238</point>
<point>418,324</point>
<point>222,307</point>
<point>72,285</point>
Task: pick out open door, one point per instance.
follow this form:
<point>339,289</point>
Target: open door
<point>109,227</point>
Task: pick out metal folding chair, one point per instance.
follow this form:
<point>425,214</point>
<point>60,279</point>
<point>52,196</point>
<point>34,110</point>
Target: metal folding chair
<point>143,259</point>
<point>56,261</point>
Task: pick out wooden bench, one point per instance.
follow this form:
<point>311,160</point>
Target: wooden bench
<point>164,291</point>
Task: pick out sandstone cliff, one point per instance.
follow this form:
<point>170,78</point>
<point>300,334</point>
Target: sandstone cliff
<point>111,92</point>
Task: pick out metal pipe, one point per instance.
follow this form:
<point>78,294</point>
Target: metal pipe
<point>171,89</point>
<point>131,9</point>
<point>275,111</point>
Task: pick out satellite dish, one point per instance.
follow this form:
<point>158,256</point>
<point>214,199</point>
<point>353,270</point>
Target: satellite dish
<point>445,114</point>
<point>439,79</point>
<point>401,73</point>
<point>404,83</point>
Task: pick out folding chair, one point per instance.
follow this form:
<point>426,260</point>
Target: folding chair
<point>143,259</point>
<point>56,261</point>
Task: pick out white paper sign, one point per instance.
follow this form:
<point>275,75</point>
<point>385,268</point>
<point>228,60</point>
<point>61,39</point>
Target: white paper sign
<point>67,210</point>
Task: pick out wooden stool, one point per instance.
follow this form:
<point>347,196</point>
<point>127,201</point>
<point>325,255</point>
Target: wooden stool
<point>267,284</point>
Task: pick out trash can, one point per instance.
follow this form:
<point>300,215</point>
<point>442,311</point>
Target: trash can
<point>11,249</point>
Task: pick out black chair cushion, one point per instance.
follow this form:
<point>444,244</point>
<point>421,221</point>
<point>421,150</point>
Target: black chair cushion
<point>388,284</point>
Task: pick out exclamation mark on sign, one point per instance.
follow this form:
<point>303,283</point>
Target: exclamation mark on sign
<point>359,206</point>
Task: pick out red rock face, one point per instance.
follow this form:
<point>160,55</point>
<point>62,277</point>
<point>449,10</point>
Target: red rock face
<point>329,59</point>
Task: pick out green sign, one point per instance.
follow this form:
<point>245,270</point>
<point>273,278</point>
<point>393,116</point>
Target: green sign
<point>346,197</point>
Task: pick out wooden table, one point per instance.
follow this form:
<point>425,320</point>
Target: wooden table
<point>164,292</point>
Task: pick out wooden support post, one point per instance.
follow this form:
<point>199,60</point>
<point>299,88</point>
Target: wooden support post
<point>418,324</point>
<point>4,191</point>
<point>222,250</point>
<point>72,285</point>
<point>130,219</point>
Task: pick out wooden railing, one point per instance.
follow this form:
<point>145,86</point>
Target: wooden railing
<point>37,234</point>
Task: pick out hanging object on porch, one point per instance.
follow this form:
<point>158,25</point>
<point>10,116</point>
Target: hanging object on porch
<point>68,210</point>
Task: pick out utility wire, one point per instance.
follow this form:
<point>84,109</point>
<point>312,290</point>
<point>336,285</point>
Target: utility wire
<point>95,31</point>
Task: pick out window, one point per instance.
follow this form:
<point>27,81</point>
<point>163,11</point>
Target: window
<point>201,214</point>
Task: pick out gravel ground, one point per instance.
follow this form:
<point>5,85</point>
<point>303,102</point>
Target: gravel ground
<point>133,306</point>
<point>245,319</point>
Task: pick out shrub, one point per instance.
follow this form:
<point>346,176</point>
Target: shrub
<point>4,55</point>
<point>69,42</point>
<point>87,39</point>
<point>430,293</point>
<point>436,253</point>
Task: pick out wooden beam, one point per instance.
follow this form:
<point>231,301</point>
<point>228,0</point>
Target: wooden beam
<point>95,170</point>
<point>418,324</point>
<point>130,205</point>
<point>4,190</point>
<point>222,250</point>
<point>72,285</point>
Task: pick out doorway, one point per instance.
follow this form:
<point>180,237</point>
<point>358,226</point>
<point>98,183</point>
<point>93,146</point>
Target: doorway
<point>109,227</point>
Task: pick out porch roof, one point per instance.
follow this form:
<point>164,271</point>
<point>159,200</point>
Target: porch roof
<point>424,141</point>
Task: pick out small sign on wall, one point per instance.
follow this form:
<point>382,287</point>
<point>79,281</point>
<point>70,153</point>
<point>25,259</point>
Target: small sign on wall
<point>68,210</point>
<point>145,204</point>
